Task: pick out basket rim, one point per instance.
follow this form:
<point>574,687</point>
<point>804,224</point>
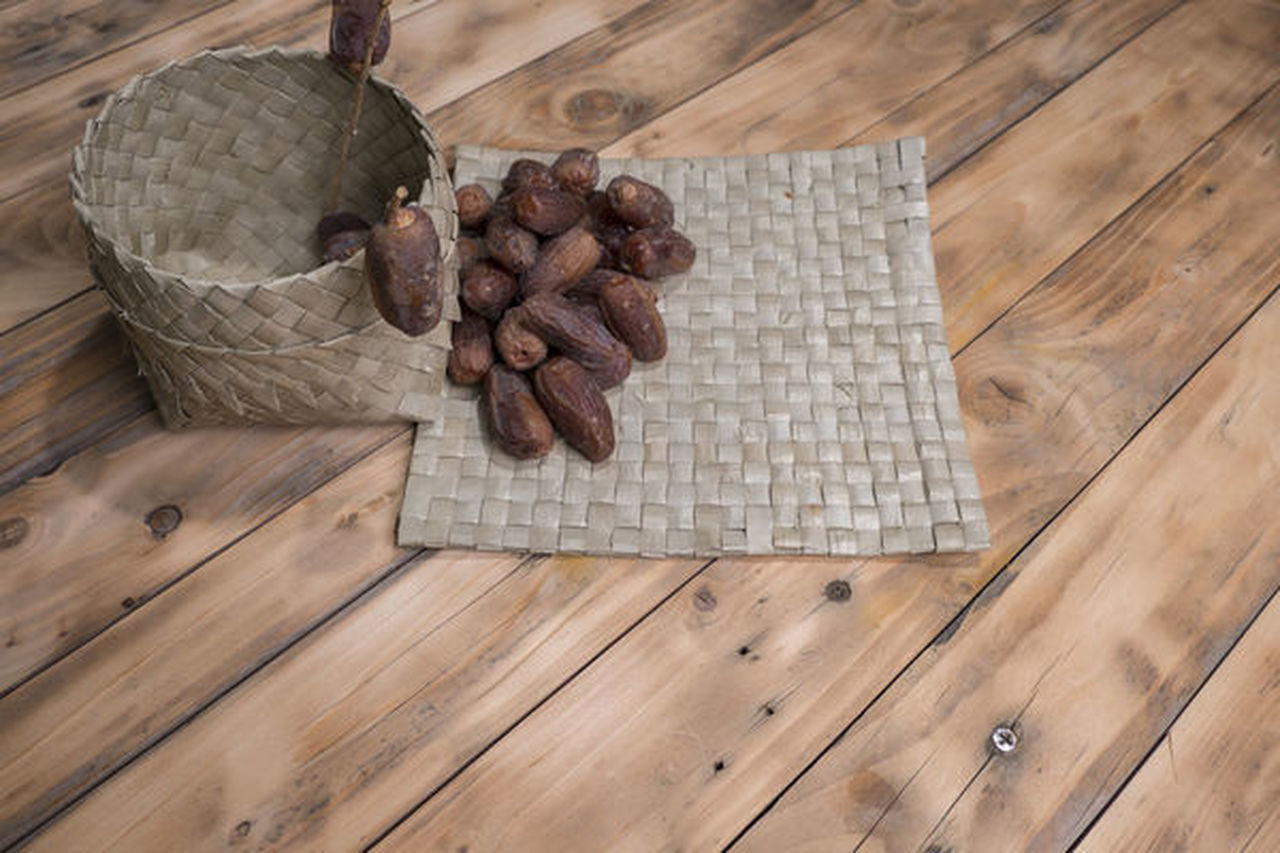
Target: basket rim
<point>439,174</point>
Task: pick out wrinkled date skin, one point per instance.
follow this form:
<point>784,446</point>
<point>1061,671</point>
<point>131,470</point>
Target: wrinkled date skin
<point>630,309</point>
<point>658,252</point>
<point>518,346</point>
<point>638,204</point>
<point>517,422</point>
<point>511,246</point>
<point>577,170</point>
<point>547,212</point>
<point>470,250</point>
<point>474,205</point>
<point>528,173</point>
<point>402,267</point>
<point>587,288</point>
<point>349,28</point>
<point>561,263</point>
<point>574,333</point>
<point>472,352</point>
<point>488,289</point>
<point>576,406</point>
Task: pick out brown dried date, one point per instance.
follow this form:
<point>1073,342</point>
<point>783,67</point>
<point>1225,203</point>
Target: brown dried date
<point>630,309</point>
<point>576,406</point>
<point>350,24</point>
<point>344,244</point>
<point>488,289</point>
<point>518,346</point>
<point>472,353</point>
<point>577,170</point>
<point>516,420</point>
<point>547,212</point>
<point>474,205</point>
<point>563,326</point>
<point>638,204</point>
<point>561,262</point>
<point>528,173</point>
<point>470,250</point>
<point>510,245</point>
<point>402,267</point>
<point>587,288</point>
<point>658,252</point>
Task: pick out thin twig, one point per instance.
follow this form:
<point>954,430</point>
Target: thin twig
<point>366,69</point>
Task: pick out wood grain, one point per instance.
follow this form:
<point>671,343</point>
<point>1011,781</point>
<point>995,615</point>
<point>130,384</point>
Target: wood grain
<point>43,38</point>
<point>769,677</point>
<point>824,87</point>
<point>87,555</point>
<point>430,668</point>
<point>74,724</point>
<point>1213,781</point>
<point>616,79</point>
<point>66,379</point>
<point>1147,107</point>
<point>42,254</point>
<point>1004,86</point>
<point>1134,596</point>
<point>1043,184</point>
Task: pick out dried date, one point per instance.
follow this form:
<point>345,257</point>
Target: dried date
<point>515,418</point>
<point>639,204</point>
<point>630,309</point>
<point>471,355</point>
<point>658,252</point>
<point>576,406</point>
<point>488,289</point>
<point>561,262</point>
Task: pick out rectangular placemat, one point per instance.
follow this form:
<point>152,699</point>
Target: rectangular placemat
<point>807,403</point>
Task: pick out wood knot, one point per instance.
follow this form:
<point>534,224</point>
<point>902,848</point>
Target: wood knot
<point>838,590</point>
<point>593,107</point>
<point>92,101</point>
<point>704,599</point>
<point>13,531</point>
<point>163,520</point>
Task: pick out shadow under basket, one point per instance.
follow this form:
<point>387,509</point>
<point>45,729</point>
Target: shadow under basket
<point>199,187</point>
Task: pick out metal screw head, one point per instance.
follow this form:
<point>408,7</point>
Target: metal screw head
<point>1004,738</point>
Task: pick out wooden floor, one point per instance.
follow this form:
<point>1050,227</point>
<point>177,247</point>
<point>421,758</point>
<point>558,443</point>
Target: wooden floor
<point>208,639</point>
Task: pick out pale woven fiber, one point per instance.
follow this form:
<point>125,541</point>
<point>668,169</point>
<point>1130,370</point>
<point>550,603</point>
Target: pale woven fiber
<point>807,402</point>
<point>200,186</point>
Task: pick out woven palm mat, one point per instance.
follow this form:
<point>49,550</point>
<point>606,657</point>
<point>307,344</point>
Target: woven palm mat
<point>807,402</point>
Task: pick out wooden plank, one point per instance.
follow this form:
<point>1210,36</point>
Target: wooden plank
<point>66,379</point>
<point>42,254</point>
<point>1135,595</point>
<point>1213,782</point>
<point>332,742</point>
<point>70,726</point>
<point>995,92</point>
<point>768,678</point>
<point>822,88</point>
<point>79,552</point>
<point>1040,184</point>
<point>613,80</point>
<point>43,38</point>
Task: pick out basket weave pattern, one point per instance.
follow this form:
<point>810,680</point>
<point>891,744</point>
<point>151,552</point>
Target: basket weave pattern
<point>199,186</point>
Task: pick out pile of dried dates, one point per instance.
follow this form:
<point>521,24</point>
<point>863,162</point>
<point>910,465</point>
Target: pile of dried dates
<point>558,298</point>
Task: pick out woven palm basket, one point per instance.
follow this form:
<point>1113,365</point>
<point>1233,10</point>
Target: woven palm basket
<point>200,185</point>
